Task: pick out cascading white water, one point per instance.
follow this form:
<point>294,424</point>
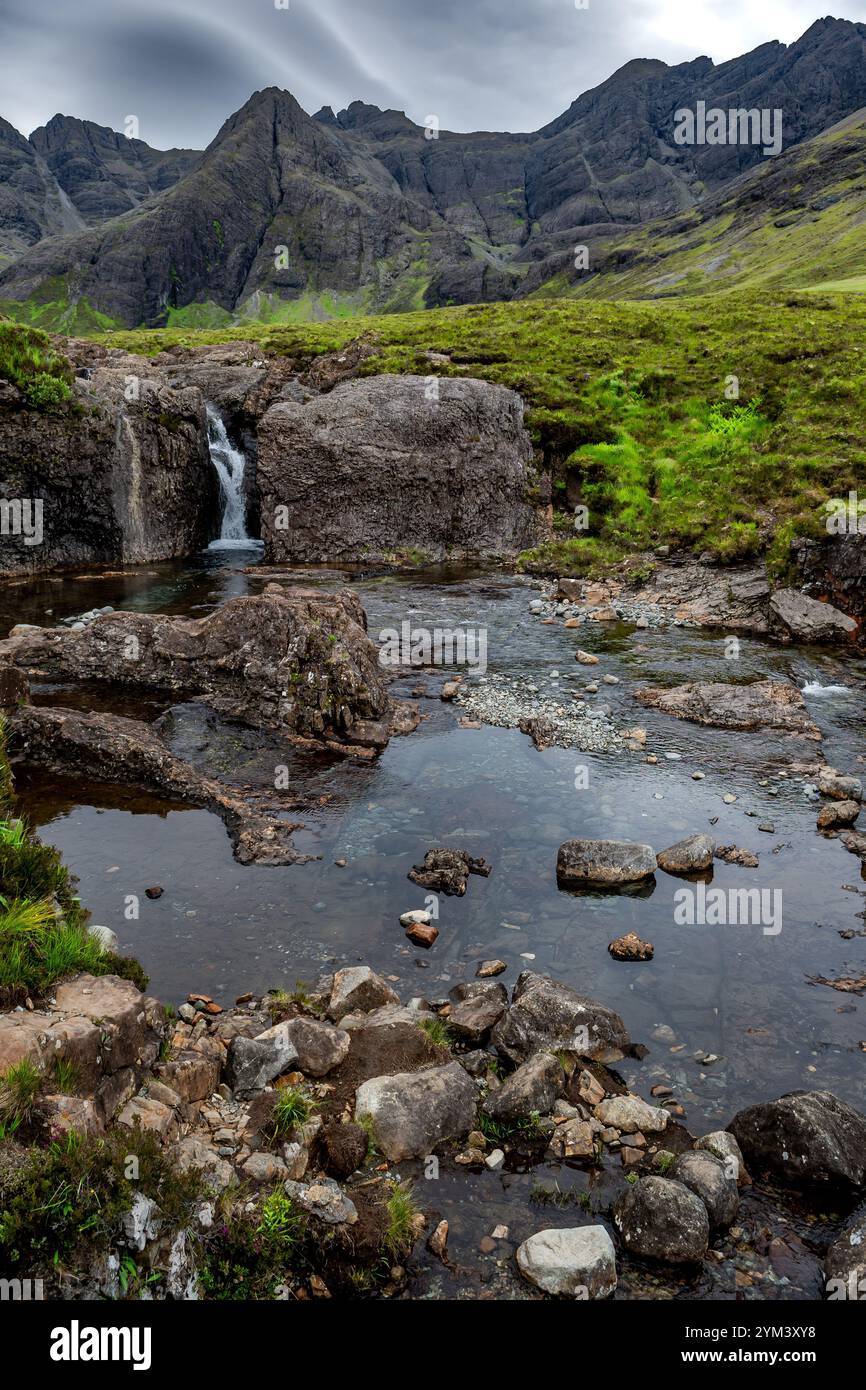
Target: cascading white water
<point>230,465</point>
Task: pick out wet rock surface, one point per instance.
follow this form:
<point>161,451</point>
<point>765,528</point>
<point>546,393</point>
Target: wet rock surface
<point>759,705</point>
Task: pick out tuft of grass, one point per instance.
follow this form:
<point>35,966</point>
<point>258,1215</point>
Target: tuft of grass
<point>29,361</point>
<point>280,1224</point>
<point>437,1031</point>
<point>402,1211</point>
<point>67,1077</point>
<point>497,1131</point>
<point>293,1108</point>
<point>19,1093</point>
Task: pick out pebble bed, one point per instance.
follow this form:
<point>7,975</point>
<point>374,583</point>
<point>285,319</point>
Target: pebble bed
<point>507,701</point>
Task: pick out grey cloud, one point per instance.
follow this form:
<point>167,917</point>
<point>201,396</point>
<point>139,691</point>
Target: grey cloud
<point>182,66</point>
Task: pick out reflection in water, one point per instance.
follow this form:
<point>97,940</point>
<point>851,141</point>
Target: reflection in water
<point>731,991</point>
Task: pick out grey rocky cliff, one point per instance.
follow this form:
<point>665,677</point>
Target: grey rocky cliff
<point>123,472</point>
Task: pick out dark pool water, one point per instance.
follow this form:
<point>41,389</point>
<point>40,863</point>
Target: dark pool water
<point>730,990</point>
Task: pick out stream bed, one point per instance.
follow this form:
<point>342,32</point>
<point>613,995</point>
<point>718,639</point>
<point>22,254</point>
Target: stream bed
<point>737,993</point>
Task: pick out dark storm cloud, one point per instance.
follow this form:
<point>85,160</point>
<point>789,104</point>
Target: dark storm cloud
<point>182,66</point>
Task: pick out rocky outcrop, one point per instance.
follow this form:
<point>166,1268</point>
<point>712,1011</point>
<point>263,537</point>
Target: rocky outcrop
<point>760,705</point>
<point>123,472</point>
<point>835,568</point>
<point>808,1139</point>
<point>435,467</point>
<point>126,752</point>
<point>295,659</point>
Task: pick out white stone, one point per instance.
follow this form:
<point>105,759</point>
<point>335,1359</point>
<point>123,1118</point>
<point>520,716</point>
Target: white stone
<point>578,1262</point>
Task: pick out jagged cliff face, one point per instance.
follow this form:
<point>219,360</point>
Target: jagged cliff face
<point>102,173</point>
<point>71,174</point>
<point>362,207</point>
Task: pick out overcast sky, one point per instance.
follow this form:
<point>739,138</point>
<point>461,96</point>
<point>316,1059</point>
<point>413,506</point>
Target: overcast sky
<point>182,66</point>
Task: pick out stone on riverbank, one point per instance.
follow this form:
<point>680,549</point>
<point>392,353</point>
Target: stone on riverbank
<point>706,1176</point>
<point>531,1089</point>
<point>548,1016</point>
<point>411,1112</point>
<point>577,1263</point>
<point>661,1219</point>
<point>795,615</point>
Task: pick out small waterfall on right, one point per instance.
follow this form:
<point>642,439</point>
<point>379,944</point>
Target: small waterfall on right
<point>230,465</point>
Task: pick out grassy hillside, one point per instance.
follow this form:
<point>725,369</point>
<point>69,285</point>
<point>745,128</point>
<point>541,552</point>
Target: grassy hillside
<point>798,222</point>
<point>632,406</point>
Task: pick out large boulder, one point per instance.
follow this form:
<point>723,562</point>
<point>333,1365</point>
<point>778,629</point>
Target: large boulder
<point>412,1112</point>
<point>759,705</point>
<point>808,1139</point>
<point>578,1263</point>
<point>319,1046</point>
<point>797,616</point>
<point>296,659</point>
<point>661,1219</point>
<point>548,1016</point>
<point>388,463</point>
<point>532,1089</point>
<point>603,863</point>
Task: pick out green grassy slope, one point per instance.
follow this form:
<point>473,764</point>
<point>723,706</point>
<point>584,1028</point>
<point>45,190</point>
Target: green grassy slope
<point>630,406</point>
<point>798,222</point>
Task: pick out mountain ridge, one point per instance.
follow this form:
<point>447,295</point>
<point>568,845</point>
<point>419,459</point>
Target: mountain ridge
<point>289,216</point>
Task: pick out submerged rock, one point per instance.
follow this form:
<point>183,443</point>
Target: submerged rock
<point>577,1263</point>
<point>759,705</point>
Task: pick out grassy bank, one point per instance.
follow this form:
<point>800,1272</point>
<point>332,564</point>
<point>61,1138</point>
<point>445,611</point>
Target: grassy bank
<point>43,931</point>
<point>722,425</point>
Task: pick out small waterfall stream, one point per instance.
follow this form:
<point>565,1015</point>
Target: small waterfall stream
<point>230,464</point>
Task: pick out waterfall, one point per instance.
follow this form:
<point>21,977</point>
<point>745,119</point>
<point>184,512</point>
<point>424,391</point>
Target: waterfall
<point>229,464</point>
